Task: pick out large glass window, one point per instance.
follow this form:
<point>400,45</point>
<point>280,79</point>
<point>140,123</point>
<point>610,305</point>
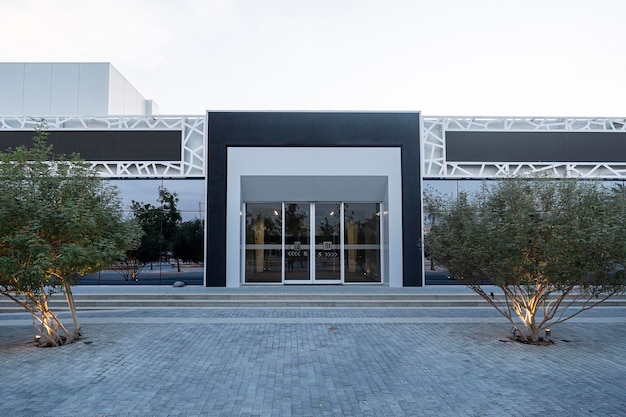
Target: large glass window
<point>362,242</point>
<point>166,268</point>
<point>190,193</point>
<point>448,189</point>
<point>263,242</point>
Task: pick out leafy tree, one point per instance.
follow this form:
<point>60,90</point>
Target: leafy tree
<point>58,221</point>
<point>128,267</point>
<point>189,242</point>
<point>554,247</point>
<point>295,222</point>
<point>159,225</point>
<point>149,218</point>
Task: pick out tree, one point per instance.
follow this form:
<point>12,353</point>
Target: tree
<point>189,242</point>
<point>159,225</point>
<point>58,221</point>
<point>128,267</point>
<point>554,247</point>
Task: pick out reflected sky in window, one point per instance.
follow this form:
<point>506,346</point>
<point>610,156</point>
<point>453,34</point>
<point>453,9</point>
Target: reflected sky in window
<point>190,193</point>
<point>450,189</point>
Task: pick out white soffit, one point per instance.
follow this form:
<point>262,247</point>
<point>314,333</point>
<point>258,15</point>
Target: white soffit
<point>313,188</point>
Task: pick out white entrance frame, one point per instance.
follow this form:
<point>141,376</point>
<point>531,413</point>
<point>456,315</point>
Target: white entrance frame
<point>315,174</point>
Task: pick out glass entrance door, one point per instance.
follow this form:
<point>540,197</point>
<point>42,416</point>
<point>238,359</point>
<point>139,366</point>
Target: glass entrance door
<point>316,258</point>
<point>327,242</point>
<point>297,232</point>
<point>263,243</point>
<point>362,254</point>
<point>304,243</point>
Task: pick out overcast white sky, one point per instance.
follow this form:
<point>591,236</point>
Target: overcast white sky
<point>442,57</point>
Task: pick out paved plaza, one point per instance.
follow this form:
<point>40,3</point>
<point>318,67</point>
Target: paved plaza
<point>314,362</point>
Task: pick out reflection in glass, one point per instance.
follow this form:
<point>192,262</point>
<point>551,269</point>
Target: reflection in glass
<point>362,242</point>
<point>327,242</point>
<point>448,189</point>
<point>263,242</point>
<point>191,205</point>
<point>190,194</point>
<point>297,242</point>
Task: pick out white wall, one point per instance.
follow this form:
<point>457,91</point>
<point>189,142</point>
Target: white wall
<point>93,89</point>
<point>64,89</point>
<point>123,97</point>
<point>315,168</point>
<point>11,89</point>
<point>67,89</point>
<point>37,89</point>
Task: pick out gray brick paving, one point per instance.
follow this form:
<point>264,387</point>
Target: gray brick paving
<point>314,362</point>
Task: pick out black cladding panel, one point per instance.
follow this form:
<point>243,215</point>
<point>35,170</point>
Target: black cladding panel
<point>105,145</point>
<point>315,129</point>
<point>535,146</point>
<point>312,128</point>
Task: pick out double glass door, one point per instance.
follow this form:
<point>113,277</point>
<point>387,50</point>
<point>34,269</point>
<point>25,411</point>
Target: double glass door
<point>312,242</point>
<point>302,242</point>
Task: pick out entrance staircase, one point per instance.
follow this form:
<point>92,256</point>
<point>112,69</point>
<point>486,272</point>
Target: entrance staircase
<point>227,298</point>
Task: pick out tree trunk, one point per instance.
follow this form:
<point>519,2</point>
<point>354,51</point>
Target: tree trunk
<point>69,297</point>
<point>51,330</point>
<point>527,311</point>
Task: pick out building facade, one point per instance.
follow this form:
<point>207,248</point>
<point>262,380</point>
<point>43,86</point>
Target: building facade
<point>299,197</point>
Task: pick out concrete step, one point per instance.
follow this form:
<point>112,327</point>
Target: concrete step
<point>266,300</point>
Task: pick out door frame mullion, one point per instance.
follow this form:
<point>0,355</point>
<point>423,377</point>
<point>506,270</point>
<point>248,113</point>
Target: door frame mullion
<point>282,243</point>
<point>341,244</point>
<point>312,243</point>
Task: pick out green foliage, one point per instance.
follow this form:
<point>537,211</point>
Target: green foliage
<point>554,247</point>
<point>189,241</point>
<point>159,224</point>
<point>58,221</point>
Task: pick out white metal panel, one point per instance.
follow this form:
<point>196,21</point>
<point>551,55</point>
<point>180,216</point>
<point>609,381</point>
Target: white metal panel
<point>130,96</point>
<point>123,96</point>
<point>11,88</point>
<point>93,94</point>
<point>134,103</point>
<point>319,166</point>
<point>37,89</point>
<point>116,92</point>
<point>151,107</point>
<point>64,89</point>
